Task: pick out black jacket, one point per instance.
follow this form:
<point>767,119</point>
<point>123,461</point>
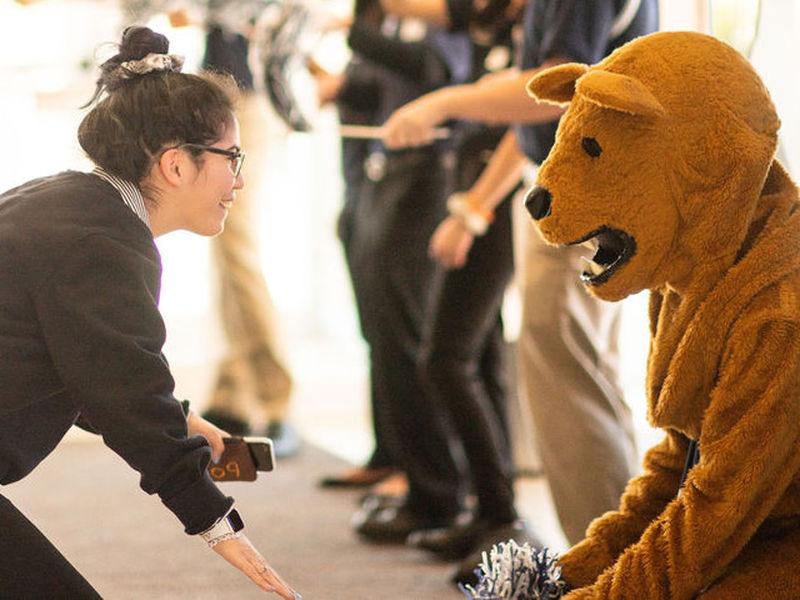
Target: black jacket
<point>81,338</point>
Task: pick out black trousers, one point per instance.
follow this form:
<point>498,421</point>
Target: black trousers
<point>30,566</point>
<point>354,155</point>
<point>391,224</point>
<point>463,364</point>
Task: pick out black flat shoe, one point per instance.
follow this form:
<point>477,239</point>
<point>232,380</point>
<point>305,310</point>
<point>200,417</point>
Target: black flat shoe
<point>465,573</point>
<point>454,542</point>
<point>357,478</point>
<point>393,524</point>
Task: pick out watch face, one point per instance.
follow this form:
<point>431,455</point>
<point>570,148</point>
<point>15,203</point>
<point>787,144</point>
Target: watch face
<point>235,520</point>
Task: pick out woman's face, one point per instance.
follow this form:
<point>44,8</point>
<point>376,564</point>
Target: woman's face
<point>211,194</point>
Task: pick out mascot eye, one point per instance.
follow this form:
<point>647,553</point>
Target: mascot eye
<point>591,147</point>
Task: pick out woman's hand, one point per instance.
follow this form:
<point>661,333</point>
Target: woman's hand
<point>450,243</point>
<point>213,434</point>
<point>243,555</point>
<point>414,123</point>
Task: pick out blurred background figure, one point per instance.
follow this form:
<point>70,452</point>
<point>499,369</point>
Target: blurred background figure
<point>393,202</point>
<point>357,95</point>
<point>463,360</point>
<point>253,384</point>
<point>568,346</point>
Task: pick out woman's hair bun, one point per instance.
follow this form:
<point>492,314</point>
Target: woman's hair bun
<point>138,42</point>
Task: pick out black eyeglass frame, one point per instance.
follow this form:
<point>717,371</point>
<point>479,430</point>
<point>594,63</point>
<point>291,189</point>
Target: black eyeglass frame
<point>236,156</point>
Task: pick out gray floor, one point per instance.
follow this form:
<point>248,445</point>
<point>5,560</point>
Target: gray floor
<point>87,501</point>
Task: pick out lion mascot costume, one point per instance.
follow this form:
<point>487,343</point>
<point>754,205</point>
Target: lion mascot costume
<point>664,165</point>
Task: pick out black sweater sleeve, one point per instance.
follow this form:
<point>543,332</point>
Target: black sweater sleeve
<point>415,61</point>
<point>99,318</point>
<point>360,90</point>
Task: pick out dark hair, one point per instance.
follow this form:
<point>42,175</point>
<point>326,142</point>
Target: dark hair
<point>140,115</point>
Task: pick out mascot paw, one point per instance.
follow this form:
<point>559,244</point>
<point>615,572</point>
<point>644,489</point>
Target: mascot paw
<point>513,572</point>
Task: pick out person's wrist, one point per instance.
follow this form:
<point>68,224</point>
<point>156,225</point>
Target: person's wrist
<point>229,527</point>
<point>440,108</point>
<point>469,212</point>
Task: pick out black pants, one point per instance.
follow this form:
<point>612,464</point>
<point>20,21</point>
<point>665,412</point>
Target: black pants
<point>392,222</point>
<point>30,566</point>
<point>463,364</point>
<point>354,155</point>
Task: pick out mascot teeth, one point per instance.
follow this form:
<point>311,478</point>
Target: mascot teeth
<point>612,248</point>
<point>592,267</point>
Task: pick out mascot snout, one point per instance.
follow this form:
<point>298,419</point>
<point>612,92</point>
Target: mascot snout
<point>538,201</point>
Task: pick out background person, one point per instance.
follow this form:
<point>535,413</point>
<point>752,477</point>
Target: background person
<point>253,384</point>
<point>462,360</point>
<point>568,359</point>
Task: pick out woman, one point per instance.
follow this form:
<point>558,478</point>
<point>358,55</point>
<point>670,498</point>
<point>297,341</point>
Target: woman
<point>80,330</point>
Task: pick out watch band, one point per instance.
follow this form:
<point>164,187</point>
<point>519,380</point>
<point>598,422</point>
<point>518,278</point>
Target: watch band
<point>227,528</point>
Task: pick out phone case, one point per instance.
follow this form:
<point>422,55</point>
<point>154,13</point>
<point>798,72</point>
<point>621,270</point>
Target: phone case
<point>236,463</point>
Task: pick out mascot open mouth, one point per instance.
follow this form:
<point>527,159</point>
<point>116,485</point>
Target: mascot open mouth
<point>612,248</point>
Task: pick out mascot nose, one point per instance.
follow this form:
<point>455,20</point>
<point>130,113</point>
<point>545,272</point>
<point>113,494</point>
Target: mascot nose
<point>537,201</point>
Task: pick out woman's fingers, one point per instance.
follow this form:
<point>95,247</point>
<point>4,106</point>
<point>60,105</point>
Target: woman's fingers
<point>243,555</point>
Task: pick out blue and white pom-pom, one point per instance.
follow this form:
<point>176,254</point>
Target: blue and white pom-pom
<point>513,572</point>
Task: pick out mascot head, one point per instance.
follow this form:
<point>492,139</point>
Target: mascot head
<point>659,161</point>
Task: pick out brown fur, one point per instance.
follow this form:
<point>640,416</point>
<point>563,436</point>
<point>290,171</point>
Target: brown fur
<point>688,136</point>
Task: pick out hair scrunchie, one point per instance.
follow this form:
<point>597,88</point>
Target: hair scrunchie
<point>151,63</point>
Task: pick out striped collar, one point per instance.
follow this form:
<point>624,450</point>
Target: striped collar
<point>131,194</point>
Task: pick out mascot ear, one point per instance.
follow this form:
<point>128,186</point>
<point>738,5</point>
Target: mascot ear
<point>556,85</point>
<point>619,92</point>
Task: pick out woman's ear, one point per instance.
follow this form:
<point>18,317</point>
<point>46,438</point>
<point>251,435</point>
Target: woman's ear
<point>171,166</point>
<point>556,85</point>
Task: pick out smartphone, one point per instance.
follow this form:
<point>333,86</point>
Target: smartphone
<point>262,452</point>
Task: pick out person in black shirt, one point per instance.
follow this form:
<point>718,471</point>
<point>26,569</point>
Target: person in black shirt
<point>80,332</point>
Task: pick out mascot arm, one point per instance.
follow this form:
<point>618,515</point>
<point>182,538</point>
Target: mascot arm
<point>749,455</point>
<point>644,499</point>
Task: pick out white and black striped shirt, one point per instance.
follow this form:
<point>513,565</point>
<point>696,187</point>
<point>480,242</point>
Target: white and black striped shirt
<point>131,194</point>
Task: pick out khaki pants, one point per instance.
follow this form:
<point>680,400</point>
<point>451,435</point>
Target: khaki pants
<point>253,382</point>
<point>567,364</point>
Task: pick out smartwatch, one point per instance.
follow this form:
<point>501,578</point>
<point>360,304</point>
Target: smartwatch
<point>227,528</point>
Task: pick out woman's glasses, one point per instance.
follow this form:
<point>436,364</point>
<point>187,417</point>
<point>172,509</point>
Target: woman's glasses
<point>236,156</point>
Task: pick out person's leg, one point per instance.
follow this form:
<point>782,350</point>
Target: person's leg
<point>395,219</point>
<point>463,320</point>
<point>30,566</point>
<point>494,372</point>
<point>568,369</point>
<point>354,154</point>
